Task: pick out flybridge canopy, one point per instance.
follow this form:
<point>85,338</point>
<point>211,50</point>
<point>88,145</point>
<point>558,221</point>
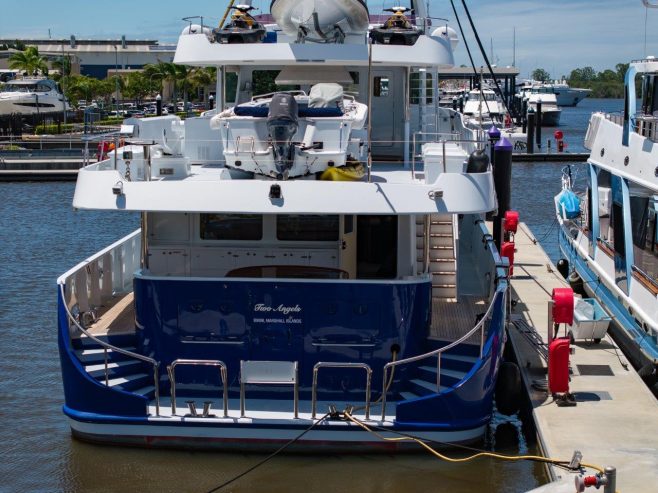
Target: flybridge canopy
<point>198,50</point>
<point>391,192</point>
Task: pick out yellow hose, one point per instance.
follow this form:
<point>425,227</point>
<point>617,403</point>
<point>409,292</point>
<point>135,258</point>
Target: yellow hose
<point>439,455</point>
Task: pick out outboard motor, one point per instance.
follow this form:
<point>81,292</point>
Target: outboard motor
<point>282,123</point>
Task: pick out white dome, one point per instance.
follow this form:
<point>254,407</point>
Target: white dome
<point>196,29</point>
<point>446,32</point>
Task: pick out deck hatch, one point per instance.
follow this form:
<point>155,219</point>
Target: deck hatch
<point>595,370</point>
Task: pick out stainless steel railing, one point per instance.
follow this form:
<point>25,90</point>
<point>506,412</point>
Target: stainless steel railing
<point>171,370</point>
<point>321,364</point>
<point>438,352</point>
<point>107,346</point>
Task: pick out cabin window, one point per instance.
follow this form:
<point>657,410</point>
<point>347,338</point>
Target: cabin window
<point>377,247</point>
<point>309,227</point>
<point>644,214</point>
<point>244,227</point>
<point>605,206</point>
<point>415,87</point>
<point>381,87</point>
<point>617,218</point>
<point>230,86</point>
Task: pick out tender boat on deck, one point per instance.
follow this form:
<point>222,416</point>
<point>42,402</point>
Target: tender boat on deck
<point>611,243</point>
<point>321,21</point>
<point>249,307</point>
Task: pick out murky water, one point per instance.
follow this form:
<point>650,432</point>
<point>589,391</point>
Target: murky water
<point>41,237</point>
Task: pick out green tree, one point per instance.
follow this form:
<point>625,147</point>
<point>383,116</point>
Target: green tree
<point>29,61</point>
<point>541,75</point>
<point>62,65</point>
<point>201,78</point>
<point>135,86</point>
<point>621,69</point>
<point>585,74</point>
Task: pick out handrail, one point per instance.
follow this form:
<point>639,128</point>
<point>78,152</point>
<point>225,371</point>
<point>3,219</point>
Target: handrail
<point>171,369</point>
<point>438,352</point>
<point>107,346</point>
<point>320,364</point>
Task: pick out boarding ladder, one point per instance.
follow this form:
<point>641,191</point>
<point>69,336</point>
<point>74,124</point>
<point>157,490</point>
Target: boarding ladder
<point>436,253</point>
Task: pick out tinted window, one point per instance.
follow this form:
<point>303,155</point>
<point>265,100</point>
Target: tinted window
<point>231,226</point>
<point>293,227</point>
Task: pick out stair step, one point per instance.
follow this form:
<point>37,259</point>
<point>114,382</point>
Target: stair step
<point>409,396</point>
<point>98,354</point>
<point>444,292</point>
<point>459,362</point>
<point>427,387</point>
<point>443,299</point>
<point>454,374</point>
<point>130,382</point>
<point>114,368</point>
<point>147,391</point>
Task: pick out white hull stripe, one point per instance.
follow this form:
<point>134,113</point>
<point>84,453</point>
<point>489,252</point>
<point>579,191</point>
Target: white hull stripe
<point>247,434</point>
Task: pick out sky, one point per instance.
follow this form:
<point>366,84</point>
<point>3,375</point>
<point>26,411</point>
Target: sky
<point>556,35</point>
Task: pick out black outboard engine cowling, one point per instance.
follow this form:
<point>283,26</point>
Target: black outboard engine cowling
<point>282,123</point>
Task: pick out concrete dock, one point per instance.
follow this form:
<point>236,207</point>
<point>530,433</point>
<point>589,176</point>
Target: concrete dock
<point>615,421</point>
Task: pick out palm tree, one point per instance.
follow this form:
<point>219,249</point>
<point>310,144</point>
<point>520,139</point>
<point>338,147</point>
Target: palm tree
<point>63,67</point>
<point>29,61</point>
<point>201,78</point>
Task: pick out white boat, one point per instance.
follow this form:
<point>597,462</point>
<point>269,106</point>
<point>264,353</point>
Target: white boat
<point>609,234</point>
<point>568,96</point>
<point>483,104</point>
<point>483,109</point>
<point>32,97</point>
<point>278,305</point>
<point>539,93</point>
<point>326,123</point>
<point>320,20</point>
<point>564,94</point>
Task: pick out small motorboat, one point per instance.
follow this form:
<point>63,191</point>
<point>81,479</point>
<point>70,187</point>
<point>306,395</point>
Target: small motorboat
<point>397,30</point>
<point>242,28</point>
<point>321,21</point>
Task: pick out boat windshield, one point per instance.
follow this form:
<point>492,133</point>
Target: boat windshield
<point>9,87</point>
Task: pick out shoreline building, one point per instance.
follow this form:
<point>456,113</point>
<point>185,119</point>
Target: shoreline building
<point>97,57</point>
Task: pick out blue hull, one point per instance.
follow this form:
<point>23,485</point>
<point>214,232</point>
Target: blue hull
<point>286,321</point>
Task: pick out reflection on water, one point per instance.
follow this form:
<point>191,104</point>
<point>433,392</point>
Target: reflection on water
<point>41,237</point>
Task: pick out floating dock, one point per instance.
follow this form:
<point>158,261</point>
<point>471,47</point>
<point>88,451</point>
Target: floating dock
<point>40,169</point>
<point>615,421</point>
<point>558,157</point>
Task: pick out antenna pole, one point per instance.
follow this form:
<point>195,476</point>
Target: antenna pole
<point>370,89</point>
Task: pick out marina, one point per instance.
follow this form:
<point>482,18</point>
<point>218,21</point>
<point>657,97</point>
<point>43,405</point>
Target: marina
<point>340,261</point>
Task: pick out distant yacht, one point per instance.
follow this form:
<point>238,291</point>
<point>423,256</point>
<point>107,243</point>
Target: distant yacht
<point>537,93</point>
<point>568,96</point>
<point>32,97</point>
<point>565,95</point>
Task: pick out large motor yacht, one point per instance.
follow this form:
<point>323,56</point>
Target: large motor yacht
<point>311,262</point>
<point>611,240</point>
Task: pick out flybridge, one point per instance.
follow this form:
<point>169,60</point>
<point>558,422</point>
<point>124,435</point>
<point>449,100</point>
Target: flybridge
<point>197,49</point>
